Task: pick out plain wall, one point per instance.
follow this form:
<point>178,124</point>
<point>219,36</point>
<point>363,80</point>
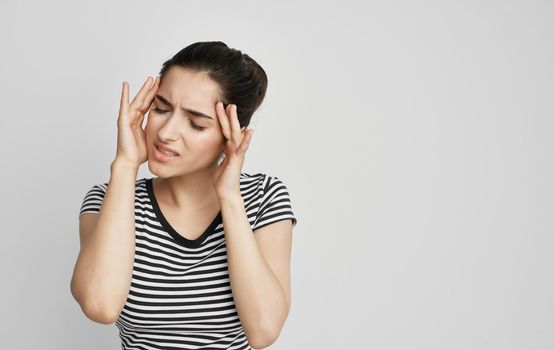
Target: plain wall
<point>415,138</point>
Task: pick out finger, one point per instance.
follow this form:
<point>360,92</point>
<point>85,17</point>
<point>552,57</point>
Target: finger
<point>137,128</point>
<point>139,98</point>
<point>235,126</point>
<point>150,96</point>
<point>246,140</point>
<point>124,102</point>
<point>139,120</point>
<point>223,120</point>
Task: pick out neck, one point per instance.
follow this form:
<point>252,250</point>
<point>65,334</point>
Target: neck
<point>193,191</point>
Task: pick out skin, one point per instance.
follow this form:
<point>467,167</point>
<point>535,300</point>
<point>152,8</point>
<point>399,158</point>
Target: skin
<point>194,187</point>
<point>193,180</point>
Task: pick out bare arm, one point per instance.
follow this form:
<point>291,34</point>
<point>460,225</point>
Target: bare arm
<point>103,271</point>
<point>262,299</point>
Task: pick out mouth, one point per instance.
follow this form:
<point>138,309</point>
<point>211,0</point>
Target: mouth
<point>162,155</point>
<point>164,148</point>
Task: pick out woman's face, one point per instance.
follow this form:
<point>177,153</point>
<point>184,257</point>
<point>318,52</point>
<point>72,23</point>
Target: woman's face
<point>174,122</point>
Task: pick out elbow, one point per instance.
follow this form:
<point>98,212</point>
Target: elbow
<point>265,337</point>
<point>92,310</point>
<point>267,332</point>
<point>98,315</point>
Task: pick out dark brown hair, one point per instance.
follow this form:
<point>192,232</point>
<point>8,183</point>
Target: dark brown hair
<point>241,79</point>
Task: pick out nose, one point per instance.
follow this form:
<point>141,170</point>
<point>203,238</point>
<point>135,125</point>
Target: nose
<point>170,129</point>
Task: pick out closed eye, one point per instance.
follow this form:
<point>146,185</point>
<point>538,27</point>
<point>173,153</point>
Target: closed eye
<point>194,126</point>
<point>157,110</point>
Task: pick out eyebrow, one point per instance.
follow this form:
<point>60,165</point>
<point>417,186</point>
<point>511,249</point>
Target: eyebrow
<point>191,111</point>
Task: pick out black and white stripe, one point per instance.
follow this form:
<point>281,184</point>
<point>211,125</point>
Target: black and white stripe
<point>180,296</point>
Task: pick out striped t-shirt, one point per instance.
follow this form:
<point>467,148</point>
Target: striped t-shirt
<point>180,295</point>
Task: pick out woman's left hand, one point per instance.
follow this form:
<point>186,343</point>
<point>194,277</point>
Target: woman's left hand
<point>226,178</point>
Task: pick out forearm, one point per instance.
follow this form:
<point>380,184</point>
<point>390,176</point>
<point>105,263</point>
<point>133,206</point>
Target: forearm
<point>104,268</point>
<point>258,294</point>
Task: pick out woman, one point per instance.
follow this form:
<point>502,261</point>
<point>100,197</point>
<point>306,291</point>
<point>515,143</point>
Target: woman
<point>199,256</point>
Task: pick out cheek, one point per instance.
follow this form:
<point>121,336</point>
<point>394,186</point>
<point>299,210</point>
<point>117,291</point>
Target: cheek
<point>207,141</point>
<point>149,130</point>
<point>150,122</point>
<point>153,124</point>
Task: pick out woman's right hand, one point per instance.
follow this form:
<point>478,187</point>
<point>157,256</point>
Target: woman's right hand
<point>131,138</point>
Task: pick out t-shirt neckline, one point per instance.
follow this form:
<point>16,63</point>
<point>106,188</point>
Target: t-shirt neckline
<point>190,243</point>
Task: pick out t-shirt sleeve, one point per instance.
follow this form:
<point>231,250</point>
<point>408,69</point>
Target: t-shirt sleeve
<point>93,199</point>
<point>275,204</point>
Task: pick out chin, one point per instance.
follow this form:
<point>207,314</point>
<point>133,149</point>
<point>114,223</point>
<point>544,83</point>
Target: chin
<point>155,169</point>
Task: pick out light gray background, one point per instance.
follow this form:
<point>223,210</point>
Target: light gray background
<point>415,138</point>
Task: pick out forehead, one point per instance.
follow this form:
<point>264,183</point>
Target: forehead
<point>189,88</point>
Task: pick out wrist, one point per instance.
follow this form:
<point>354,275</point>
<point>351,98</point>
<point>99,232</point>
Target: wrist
<point>231,197</point>
<point>121,164</point>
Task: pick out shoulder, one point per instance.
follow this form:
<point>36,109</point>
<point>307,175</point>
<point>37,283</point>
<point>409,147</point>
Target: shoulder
<point>262,183</point>
<point>249,177</point>
<point>252,181</point>
<point>273,199</point>
<point>99,188</point>
<point>102,187</point>
<point>259,180</point>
